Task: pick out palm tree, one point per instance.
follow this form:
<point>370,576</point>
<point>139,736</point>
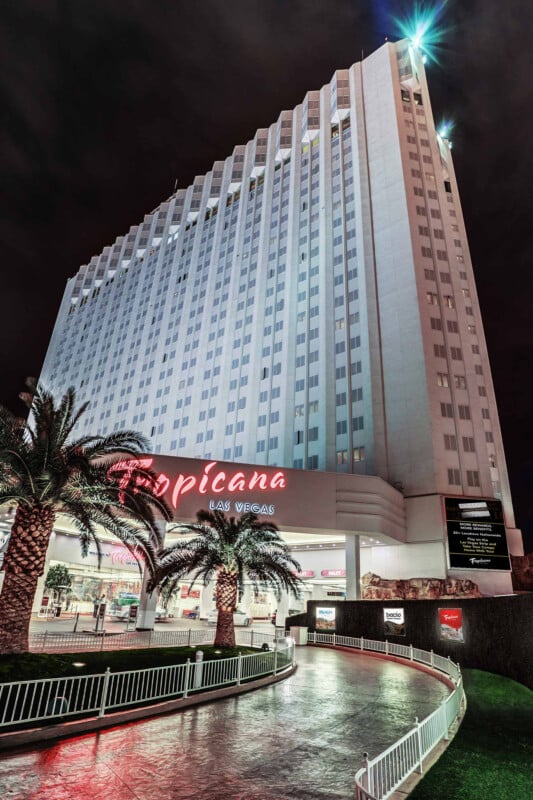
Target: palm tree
<point>44,471</point>
<point>229,550</point>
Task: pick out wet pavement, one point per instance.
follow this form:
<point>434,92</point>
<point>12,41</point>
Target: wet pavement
<point>301,739</point>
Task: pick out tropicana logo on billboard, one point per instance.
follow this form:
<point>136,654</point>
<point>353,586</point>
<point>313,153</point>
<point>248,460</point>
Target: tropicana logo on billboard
<point>210,481</point>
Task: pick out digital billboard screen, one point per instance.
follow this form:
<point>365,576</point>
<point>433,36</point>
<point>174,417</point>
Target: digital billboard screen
<point>476,534</point>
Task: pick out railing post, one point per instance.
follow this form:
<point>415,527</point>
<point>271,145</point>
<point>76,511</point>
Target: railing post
<point>107,676</point>
<point>102,642</point>
<point>432,658</point>
<point>239,669</point>
<point>293,645</point>
<point>334,639</point>
<point>150,637</point>
<point>44,641</point>
<point>275,655</point>
<point>189,639</point>
<point>419,741</point>
<point>361,645</point>
<point>445,734</point>
<point>411,658</point>
<point>251,638</point>
<point>386,647</point>
<point>186,680</point>
<point>368,774</point>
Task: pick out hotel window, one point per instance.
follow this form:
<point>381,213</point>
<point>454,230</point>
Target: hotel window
<point>439,350</point>
<point>454,477</point>
<point>342,427</point>
<point>312,434</point>
<point>472,477</point>
<point>442,379</point>
<point>459,381</point>
<point>273,443</point>
<point>452,326</point>
<point>298,463</point>
<point>449,301</point>
<point>229,430</point>
<point>468,444</point>
<point>456,353</point>
<point>312,407</point>
<point>485,413</point>
<point>299,411</point>
<point>312,462</point>
<point>436,324</point>
<point>482,391</point>
<point>260,447</point>
<point>488,436</point>
<point>450,442</point>
<point>298,437</point>
<point>479,369</point>
<point>239,427</point>
<point>464,412</point>
<point>446,409</point>
<point>358,454</point>
<point>237,452</point>
<point>342,456</point>
<point>340,399</point>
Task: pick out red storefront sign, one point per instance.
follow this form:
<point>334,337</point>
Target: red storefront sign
<point>333,573</point>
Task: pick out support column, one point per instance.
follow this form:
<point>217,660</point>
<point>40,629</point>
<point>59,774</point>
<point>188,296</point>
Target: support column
<point>148,602</point>
<point>353,567</point>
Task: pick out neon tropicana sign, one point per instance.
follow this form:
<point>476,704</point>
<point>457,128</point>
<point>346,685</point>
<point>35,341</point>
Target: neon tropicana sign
<point>212,480</point>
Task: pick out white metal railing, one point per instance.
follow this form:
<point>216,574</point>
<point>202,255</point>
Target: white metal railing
<point>379,777</point>
<point>88,695</point>
<point>83,642</point>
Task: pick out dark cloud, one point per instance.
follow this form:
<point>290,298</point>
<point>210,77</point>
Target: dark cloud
<point>104,104</point>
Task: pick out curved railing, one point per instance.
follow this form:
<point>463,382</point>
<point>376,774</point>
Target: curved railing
<point>82,696</point>
<point>379,777</point>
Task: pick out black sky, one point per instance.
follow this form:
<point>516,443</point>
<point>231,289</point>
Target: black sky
<point>105,103</point>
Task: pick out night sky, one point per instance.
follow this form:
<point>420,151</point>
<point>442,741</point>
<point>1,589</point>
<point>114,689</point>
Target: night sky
<point>104,104</point>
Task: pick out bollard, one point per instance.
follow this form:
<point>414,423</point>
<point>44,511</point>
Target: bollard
<point>103,701</point>
<point>198,669</point>
<point>419,740</point>
<point>186,680</point>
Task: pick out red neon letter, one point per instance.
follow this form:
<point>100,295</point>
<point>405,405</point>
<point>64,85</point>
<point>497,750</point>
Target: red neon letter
<point>183,485</point>
<point>258,479</point>
<point>237,483</point>
<point>218,479</point>
<point>278,481</point>
<point>205,476</point>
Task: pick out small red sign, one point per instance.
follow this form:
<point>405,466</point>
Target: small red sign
<point>451,624</point>
<point>333,573</point>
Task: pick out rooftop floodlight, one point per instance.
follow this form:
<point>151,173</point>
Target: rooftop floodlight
<point>423,28</point>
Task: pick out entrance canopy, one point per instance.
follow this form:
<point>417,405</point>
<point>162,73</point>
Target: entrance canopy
<point>297,501</point>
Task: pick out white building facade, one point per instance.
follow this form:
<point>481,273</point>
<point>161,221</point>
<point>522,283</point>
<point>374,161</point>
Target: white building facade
<point>309,303</point>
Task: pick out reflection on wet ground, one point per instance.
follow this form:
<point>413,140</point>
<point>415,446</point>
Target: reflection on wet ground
<point>301,739</point>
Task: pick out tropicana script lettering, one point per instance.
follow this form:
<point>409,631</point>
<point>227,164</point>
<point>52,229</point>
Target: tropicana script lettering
<point>211,481</point>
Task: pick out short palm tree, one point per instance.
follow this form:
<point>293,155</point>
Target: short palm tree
<point>230,550</point>
<point>44,471</point>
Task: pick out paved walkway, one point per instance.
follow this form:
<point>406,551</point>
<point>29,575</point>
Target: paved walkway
<point>301,739</point>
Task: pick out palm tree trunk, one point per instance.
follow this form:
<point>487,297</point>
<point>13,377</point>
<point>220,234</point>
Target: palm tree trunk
<point>226,602</point>
<point>23,565</point>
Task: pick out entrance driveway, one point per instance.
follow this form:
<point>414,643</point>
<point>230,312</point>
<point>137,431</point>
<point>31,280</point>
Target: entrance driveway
<point>301,739</point>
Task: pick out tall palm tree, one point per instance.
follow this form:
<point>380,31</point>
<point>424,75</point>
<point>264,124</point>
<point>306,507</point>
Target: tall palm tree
<point>230,550</point>
<point>44,471</point>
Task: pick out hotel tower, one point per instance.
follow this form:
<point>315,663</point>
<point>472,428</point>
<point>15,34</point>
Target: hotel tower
<point>309,302</point>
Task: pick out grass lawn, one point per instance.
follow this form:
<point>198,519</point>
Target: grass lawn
<point>31,666</point>
<point>491,757</point>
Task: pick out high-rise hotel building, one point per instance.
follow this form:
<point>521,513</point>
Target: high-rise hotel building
<point>308,302</point>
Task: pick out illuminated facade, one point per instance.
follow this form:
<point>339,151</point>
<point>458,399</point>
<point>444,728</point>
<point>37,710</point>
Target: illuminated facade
<point>309,303</point>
